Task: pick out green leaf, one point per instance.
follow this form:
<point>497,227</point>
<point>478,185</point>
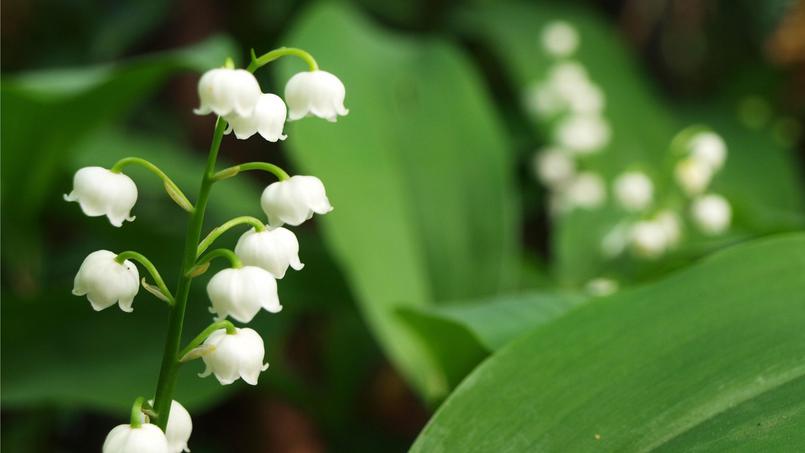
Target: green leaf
<point>460,336</point>
<point>697,359</point>
<point>497,321</point>
<point>423,212</point>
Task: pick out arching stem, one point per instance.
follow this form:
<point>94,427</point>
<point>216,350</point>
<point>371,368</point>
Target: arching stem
<point>171,188</point>
<point>268,57</point>
<point>149,266</point>
<point>218,231</point>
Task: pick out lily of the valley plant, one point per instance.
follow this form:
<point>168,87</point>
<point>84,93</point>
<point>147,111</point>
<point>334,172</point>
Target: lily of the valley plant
<point>262,255</point>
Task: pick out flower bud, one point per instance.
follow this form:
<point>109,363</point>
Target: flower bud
<point>316,93</point>
<point>554,167</point>
<point>225,91</point>
<point>179,429</point>
<point>586,190</point>
<point>560,38</point>
<point>633,190</point>
<point>693,175</point>
<point>105,281</point>
<point>268,118</point>
<point>671,225</point>
<point>128,439</point>
<point>711,214</point>
<point>273,249</point>
<point>102,192</point>
<point>583,133</point>
<point>649,239</point>
<point>294,200</point>
<point>709,147</point>
<point>601,286</point>
<point>237,355</point>
<point>240,293</point>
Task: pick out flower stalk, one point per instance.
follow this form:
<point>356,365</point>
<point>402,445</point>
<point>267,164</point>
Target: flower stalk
<point>229,224</point>
<point>170,357</point>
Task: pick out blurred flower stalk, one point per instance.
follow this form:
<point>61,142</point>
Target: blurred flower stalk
<point>262,255</point>
<point>654,205</point>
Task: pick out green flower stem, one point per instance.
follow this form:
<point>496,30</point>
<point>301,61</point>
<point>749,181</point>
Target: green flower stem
<point>268,57</point>
<point>173,190</point>
<point>218,253</point>
<point>230,329</point>
<point>262,166</point>
<point>218,231</point>
<point>170,358</point>
<point>149,266</point>
<point>136,412</point>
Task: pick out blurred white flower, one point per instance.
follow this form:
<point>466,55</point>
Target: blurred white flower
<point>574,88</point>
<point>711,214</point>
<point>583,133</point>
<point>106,282</point>
<point>616,240</point>
<point>127,439</point>
<point>273,249</point>
<point>294,200</point>
<point>234,356</point>
<point>587,190</point>
<point>224,91</point>
<point>267,118</point>
<point>240,293</point>
<point>316,93</point>
<point>633,190</point>
<point>554,167</point>
<point>671,225</point>
<point>601,286</point>
<point>102,192</point>
<point>559,38</point>
<point>541,100</point>
<point>693,175</point>
<point>709,147</point>
<point>649,239</point>
<point>586,98</point>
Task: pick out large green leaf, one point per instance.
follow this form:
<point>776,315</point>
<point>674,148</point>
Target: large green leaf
<point>418,172</point>
<point>711,356</point>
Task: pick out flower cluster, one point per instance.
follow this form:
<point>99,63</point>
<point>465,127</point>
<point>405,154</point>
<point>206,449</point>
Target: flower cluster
<point>262,255</point>
<point>572,108</point>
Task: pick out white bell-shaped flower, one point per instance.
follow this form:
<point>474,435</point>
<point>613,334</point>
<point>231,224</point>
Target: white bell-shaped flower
<point>267,119</point>
<point>273,249</point>
<point>316,93</point>
<point>106,282</point>
<point>711,214</point>
<point>710,148</point>
<point>128,439</point>
<point>671,225</point>
<point>583,133</point>
<point>560,38</point>
<point>693,175</point>
<point>633,190</point>
<point>103,192</point>
<point>649,239</point>
<point>233,356</point>
<point>225,91</point>
<point>240,293</point>
<point>294,200</point>
<point>179,429</point>
<point>554,167</point>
